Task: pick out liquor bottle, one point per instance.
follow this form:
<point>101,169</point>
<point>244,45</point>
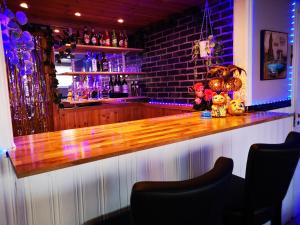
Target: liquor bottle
<point>100,39</point>
<point>111,85</point>
<point>125,40</point>
<point>94,63</point>
<point>86,36</point>
<point>114,40</point>
<point>107,38</point>
<point>117,86</point>
<point>104,63</point>
<point>78,38</point>
<point>121,40</point>
<point>99,65</point>
<point>125,86</point>
<point>94,38</point>
<point>137,89</point>
<point>88,63</point>
<point>132,87</point>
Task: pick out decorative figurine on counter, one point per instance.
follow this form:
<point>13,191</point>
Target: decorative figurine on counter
<point>203,97</point>
<point>219,106</point>
<point>70,95</point>
<point>236,107</point>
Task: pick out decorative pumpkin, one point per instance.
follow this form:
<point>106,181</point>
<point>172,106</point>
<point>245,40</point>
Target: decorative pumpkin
<point>236,107</point>
<point>218,109</point>
<point>216,84</point>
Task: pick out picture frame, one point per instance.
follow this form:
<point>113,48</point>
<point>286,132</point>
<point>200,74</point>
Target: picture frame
<point>274,55</point>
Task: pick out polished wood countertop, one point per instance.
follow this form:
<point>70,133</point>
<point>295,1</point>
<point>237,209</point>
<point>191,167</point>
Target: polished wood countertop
<point>45,152</point>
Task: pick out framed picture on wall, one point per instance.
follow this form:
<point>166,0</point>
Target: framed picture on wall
<point>274,51</point>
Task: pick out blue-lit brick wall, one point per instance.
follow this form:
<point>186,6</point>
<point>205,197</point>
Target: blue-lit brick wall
<point>168,45</point>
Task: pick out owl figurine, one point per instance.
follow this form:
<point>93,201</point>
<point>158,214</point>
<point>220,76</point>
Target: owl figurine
<point>219,107</point>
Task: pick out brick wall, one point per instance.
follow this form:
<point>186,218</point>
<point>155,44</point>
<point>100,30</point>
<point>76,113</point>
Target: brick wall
<point>168,45</point>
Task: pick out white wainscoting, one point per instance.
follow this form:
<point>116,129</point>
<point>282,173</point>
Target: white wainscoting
<point>74,195</point>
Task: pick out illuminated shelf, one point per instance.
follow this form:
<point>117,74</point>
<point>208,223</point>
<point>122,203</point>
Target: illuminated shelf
<point>92,48</point>
<point>99,73</point>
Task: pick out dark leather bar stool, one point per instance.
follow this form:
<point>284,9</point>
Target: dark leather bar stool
<point>258,198</point>
<point>197,201</point>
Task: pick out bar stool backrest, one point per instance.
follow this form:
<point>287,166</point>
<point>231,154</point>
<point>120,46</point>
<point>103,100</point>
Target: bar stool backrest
<point>196,201</point>
<point>270,168</point>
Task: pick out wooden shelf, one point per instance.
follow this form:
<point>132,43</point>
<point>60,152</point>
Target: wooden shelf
<point>104,100</point>
<point>99,73</point>
<point>91,48</point>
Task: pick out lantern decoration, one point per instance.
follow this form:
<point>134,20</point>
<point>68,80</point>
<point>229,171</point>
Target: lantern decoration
<point>224,79</point>
<point>216,84</point>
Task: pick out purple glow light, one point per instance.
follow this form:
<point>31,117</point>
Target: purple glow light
<point>170,103</point>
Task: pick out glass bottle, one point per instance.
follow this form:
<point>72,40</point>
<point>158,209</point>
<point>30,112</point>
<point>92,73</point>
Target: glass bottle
<point>107,38</point>
<point>114,40</point>
<point>104,63</point>
<point>86,36</point>
<point>94,38</point>
<point>121,40</point>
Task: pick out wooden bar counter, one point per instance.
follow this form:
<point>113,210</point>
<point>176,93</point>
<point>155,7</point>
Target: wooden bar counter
<point>45,152</point>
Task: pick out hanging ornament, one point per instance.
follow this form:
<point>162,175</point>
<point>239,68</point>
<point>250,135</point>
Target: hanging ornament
<point>216,84</point>
<point>17,44</point>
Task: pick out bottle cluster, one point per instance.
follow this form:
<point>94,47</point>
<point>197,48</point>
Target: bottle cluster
<point>106,38</point>
<point>119,87</point>
<point>98,62</point>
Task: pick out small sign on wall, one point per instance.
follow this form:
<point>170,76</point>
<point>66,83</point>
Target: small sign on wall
<point>274,55</point>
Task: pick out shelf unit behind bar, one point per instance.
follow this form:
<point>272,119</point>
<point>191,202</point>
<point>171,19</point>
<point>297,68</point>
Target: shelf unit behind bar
<point>100,73</point>
<point>92,48</point>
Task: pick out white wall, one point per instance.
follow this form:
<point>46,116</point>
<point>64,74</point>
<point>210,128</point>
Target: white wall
<point>268,15</point>
<point>6,134</point>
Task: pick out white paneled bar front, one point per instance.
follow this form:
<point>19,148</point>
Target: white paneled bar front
<point>75,195</point>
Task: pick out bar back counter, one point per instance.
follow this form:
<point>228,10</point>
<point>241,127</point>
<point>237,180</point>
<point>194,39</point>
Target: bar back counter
<point>73,176</point>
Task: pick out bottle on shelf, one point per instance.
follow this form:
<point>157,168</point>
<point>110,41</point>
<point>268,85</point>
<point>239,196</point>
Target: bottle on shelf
<point>86,36</point>
<point>104,63</point>
<point>125,87</point>
<point>121,40</point>
<point>78,38</point>
<point>94,38</point>
<point>107,38</point>
<point>94,63</point>
<point>117,86</point>
<point>100,39</point>
<point>99,65</point>
<point>114,40</point>
<point>111,85</point>
<point>137,88</point>
<point>88,64</point>
<point>125,40</point>
<point>133,90</point>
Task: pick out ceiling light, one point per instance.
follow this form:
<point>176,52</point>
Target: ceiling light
<point>56,30</point>
<point>24,5</point>
<point>120,20</point>
<point>77,14</point>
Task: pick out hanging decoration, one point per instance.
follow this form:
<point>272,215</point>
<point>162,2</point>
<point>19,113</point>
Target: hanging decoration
<point>17,43</point>
<point>225,78</point>
<point>31,73</point>
<point>207,47</point>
